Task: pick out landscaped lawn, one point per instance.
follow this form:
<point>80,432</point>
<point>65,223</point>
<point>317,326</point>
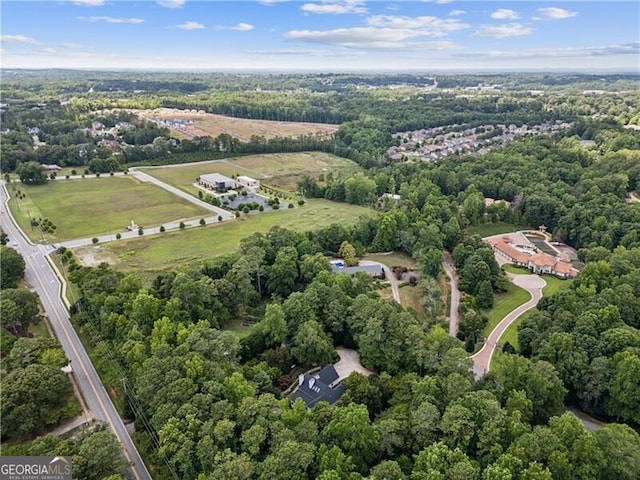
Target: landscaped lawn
<point>511,268</point>
<point>503,304</point>
<point>553,286</point>
<point>393,259</point>
<point>86,207</point>
<point>489,229</point>
<point>155,253</point>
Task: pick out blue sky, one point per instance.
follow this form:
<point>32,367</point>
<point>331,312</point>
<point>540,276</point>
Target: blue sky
<point>322,35</point>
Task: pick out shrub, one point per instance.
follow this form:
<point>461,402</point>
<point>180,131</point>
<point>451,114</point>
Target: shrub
<point>140,231</point>
<point>237,214</point>
<point>95,240</point>
<point>73,172</point>
<point>261,208</point>
<point>67,177</point>
<point>244,193</point>
<point>111,174</point>
<point>97,174</point>
<point>219,218</point>
<point>52,176</point>
<point>118,236</point>
<point>126,172</point>
<point>290,205</point>
<point>301,202</point>
<point>202,222</point>
<point>182,226</point>
<point>86,171</point>
<point>200,194</point>
<point>275,206</point>
<point>162,229</point>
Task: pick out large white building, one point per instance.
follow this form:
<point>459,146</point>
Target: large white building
<point>216,181</point>
<point>248,182</point>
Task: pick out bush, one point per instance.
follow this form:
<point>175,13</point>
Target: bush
<point>261,208</point>
<point>290,205</point>
<point>118,236</point>
<point>237,214</point>
<point>67,177</point>
<point>86,171</point>
<point>182,226</point>
<point>73,172</point>
<point>301,202</point>
<point>162,229</point>
<point>202,222</point>
<point>52,176</point>
<point>140,231</point>
<point>244,193</point>
<point>275,206</point>
<point>98,175</point>
<point>95,240</point>
<point>219,218</point>
<point>200,194</point>
<point>111,174</point>
<point>126,172</point>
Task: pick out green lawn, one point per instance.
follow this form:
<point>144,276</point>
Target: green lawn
<point>278,169</point>
<point>489,229</point>
<point>511,268</point>
<point>154,253</point>
<point>237,328</point>
<point>553,286</point>
<point>411,297</point>
<point>86,207</point>
<point>393,259</point>
<point>503,304</point>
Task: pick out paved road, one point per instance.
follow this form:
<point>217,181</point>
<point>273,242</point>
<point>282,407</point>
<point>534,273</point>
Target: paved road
<point>389,276</point>
<point>145,177</point>
<point>533,284</point>
<point>454,316</point>
<point>40,274</point>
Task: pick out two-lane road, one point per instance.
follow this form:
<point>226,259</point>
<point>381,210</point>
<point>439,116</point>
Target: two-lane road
<point>40,274</point>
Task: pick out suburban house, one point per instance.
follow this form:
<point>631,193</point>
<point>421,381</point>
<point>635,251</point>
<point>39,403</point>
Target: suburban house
<point>248,182</point>
<point>527,256</point>
<point>51,168</point>
<point>216,181</point>
<point>371,270</point>
<point>322,386</point>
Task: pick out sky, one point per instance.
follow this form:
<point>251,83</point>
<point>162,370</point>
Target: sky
<point>322,35</point>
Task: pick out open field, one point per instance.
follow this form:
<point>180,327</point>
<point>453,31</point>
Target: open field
<point>280,170</point>
<point>488,229</point>
<point>504,303</point>
<point>82,208</point>
<point>155,253</point>
<point>203,124</point>
<point>511,268</point>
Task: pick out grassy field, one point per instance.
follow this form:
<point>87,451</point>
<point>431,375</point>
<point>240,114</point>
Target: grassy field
<point>503,304</point>
<point>411,297</point>
<point>393,259</point>
<point>280,170</point>
<point>160,252</point>
<point>242,128</point>
<point>82,208</point>
<point>489,229</point>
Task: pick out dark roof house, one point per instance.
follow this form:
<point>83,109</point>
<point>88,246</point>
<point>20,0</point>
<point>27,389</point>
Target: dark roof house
<point>373,270</point>
<point>322,386</point>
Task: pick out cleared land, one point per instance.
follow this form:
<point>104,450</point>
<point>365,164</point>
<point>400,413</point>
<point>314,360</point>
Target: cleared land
<point>280,170</point>
<point>204,124</point>
<point>489,229</point>
<point>411,297</point>
<point>393,259</point>
<point>149,255</point>
<point>91,206</point>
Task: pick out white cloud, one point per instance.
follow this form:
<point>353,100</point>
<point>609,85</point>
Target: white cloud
<point>190,26</point>
<point>554,13</point>
<point>368,38</point>
<point>48,50</point>
<point>171,3</point>
<point>89,3</point>
<point>427,26</point>
<point>240,27</point>
<point>505,14</point>
<point>111,19</point>
<point>18,39</point>
<point>443,2</point>
<point>70,45</point>
<point>305,52</point>
<point>457,12</point>
<point>335,7</point>
<point>632,48</point>
<point>503,31</point>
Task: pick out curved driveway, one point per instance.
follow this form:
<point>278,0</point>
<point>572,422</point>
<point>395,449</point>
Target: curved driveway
<point>41,275</point>
<point>387,274</point>
<point>531,283</point>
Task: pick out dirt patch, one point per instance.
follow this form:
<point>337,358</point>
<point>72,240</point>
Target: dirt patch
<point>93,256</point>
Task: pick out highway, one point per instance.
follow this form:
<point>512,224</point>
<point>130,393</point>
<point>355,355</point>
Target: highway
<point>41,275</point>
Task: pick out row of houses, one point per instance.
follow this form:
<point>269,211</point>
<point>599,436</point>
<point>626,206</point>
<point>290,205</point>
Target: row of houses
<point>538,262</point>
